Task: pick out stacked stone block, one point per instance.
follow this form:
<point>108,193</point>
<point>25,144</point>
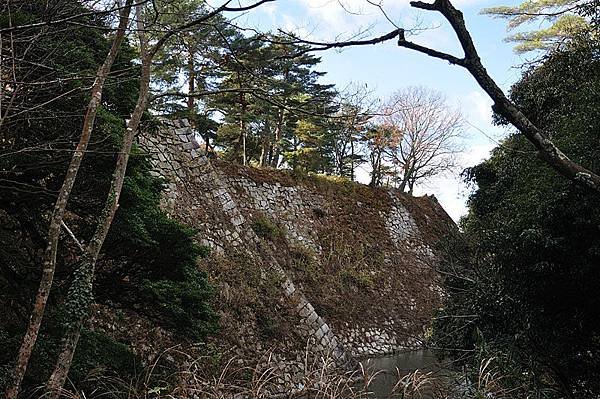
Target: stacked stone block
<point>227,205</point>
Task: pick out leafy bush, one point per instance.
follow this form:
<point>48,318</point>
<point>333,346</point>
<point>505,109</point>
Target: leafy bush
<point>524,285</point>
<point>160,259</point>
<point>356,278</point>
<point>96,350</point>
<point>265,228</point>
<point>183,304</point>
<point>304,260</point>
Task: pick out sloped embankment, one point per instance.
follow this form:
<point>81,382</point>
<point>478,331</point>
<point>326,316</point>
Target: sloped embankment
<point>304,264</point>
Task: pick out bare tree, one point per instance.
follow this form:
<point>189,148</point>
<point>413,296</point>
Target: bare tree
<point>470,61</point>
<point>422,134</point>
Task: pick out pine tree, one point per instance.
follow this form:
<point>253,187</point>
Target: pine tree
<point>559,20</point>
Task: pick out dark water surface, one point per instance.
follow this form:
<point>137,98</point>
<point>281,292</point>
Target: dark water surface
<point>404,362</point>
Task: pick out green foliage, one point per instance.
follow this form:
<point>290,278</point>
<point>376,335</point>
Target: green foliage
<point>96,350</point>
<point>559,22</point>
<point>38,139</point>
<point>160,255</point>
<point>148,262</point>
<point>184,304</point>
<point>267,326</point>
<point>524,285</point>
<point>308,153</point>
<point>80,296</point>
<point>305,262</point>
<point>265,228</point>
<point>352,277</point>
<point>5,365</point>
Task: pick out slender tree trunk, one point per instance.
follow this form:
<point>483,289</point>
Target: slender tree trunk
<point>402,186</point>
<point>278,136</point>
<point>406,176</point>
<point>243,136</point>
<point>242,124</point>
<point>265,146</point>
<point>376,166</point>
<point>82,284</point>
<point>276,150</point>
<point>191,80</point>
<point>351,158</point>
<point>49,263</point>
<point>270,152</point>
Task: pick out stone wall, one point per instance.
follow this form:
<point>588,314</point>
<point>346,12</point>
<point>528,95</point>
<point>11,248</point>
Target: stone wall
<point>381,294</point>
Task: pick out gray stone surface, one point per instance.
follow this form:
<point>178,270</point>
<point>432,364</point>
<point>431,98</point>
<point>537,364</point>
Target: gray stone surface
<point>178,155</point>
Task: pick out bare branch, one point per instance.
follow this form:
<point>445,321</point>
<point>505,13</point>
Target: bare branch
<point>547,150</point>
<point>320,46</point>
<point>402,42</point>
<point>72,235</point>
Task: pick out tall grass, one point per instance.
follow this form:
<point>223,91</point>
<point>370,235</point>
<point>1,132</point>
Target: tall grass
<point>321,379</point>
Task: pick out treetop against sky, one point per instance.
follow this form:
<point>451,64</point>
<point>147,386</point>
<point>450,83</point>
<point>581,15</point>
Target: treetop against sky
<point>386,68</point>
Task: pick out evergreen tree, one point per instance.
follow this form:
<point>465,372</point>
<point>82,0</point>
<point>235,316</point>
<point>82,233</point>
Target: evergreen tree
<point>524,288</point>
<point>559,21</point>
<point>268,87</point>
<point>189,63</point>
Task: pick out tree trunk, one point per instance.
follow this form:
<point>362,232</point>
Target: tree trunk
<point>351,158</point>
<point>82,284</point>
<point>376,167</point>
<point>402,186</point>
<point>270,156</point>
<point>278,134</point>
<point>243,138</point>
<point>242,124</point>
<point>49,263</point>
<point>265,148</point>
<point>191,81</point>
<point>406,176</point>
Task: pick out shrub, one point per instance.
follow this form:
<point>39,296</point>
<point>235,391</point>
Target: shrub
<point>265,228</point>
<point>96,350</point>
<point>161,260</point>
<point>357,278</point>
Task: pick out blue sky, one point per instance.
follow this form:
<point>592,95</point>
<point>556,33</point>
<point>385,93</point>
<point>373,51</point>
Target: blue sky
<point>386,68</point>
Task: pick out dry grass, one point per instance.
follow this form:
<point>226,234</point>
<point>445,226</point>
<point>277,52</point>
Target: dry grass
<point>321,380</point>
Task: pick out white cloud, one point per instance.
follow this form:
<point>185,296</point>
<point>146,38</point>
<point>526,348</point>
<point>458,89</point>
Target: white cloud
<point>291,25</point>
<point>269,8</point>
<point>476,108</point>
<point>343,18</point>
<point>481,106</point>
<point>434,35</point>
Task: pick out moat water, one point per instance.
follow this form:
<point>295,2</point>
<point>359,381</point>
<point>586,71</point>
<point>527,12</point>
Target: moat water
<point>391,368</point>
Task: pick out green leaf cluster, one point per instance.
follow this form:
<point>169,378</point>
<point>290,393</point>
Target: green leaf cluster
<point>524,286</point>
<point>554,22</point>
<point>148,263</point>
